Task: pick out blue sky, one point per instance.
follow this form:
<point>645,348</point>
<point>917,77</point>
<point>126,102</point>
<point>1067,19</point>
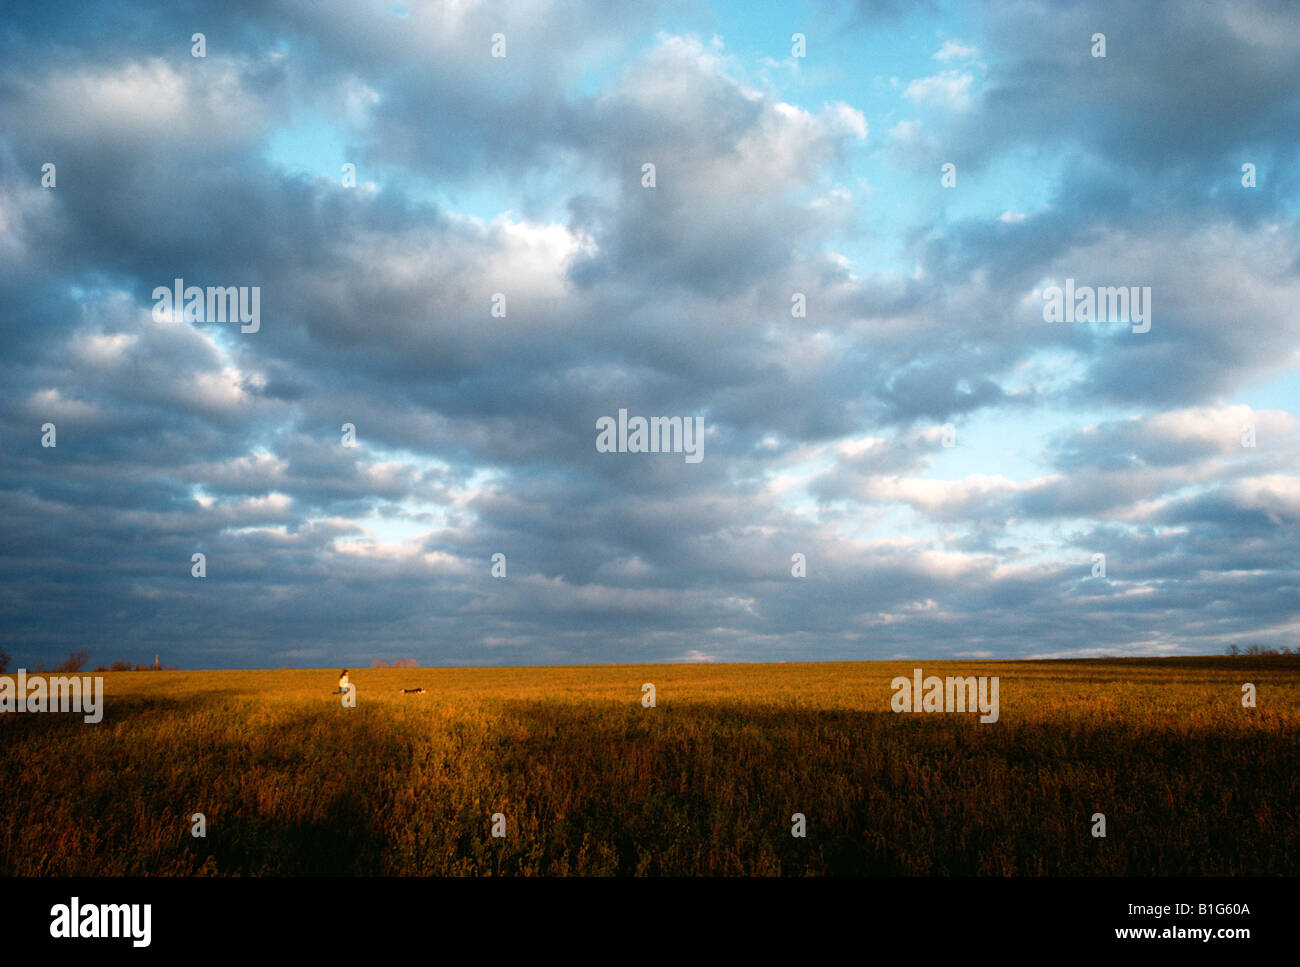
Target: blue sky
<point>522,176</point>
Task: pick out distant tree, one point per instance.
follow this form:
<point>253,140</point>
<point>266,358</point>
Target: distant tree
<point>98,669</point>
<point>74,662</point>
<point>4,662</point>
<point>404,663</point>
<point>121,666</point>
<point>1234,650</point>
<point>378,663</point>
<point>1267,650</point>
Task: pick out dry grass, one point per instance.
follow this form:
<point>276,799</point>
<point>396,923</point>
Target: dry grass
<point>592,783</point>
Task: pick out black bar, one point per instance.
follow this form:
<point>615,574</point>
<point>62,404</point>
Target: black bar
<point>946,917</point>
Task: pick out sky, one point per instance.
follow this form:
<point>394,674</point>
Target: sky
<point>495,274</point>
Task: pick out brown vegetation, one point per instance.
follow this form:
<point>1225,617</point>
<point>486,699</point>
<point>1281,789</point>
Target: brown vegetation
<point>1191,782</point>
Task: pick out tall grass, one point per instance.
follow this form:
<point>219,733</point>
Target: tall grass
<point>591,782</point>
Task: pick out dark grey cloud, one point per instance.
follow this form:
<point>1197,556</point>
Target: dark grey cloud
<point>476,433</point>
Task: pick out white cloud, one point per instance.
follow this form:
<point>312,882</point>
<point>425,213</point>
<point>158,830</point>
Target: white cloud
<point>953,50</point>
<point>949,89</point>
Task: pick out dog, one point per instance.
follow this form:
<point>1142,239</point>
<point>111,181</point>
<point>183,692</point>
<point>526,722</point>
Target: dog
<point>413,691</point>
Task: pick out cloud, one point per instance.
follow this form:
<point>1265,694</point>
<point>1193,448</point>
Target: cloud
<point>949,89</point>
<point>954,50</point>
<point>522,176</point>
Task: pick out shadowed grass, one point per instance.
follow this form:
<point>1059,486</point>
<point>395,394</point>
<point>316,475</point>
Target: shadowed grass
<point>706,783</point>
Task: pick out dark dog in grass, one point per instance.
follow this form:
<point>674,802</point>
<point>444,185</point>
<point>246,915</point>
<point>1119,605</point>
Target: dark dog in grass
<point>413,691</point>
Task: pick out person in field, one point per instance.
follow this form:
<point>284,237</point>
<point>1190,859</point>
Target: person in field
<point>343,682</point>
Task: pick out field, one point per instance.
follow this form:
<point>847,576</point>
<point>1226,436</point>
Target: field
<point>590,782</point>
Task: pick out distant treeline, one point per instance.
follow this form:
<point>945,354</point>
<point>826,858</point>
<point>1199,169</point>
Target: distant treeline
<point>126,666</point>
<point>77,660</point>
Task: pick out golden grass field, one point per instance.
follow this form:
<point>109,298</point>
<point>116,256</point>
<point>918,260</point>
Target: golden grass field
<point>705,784</point>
